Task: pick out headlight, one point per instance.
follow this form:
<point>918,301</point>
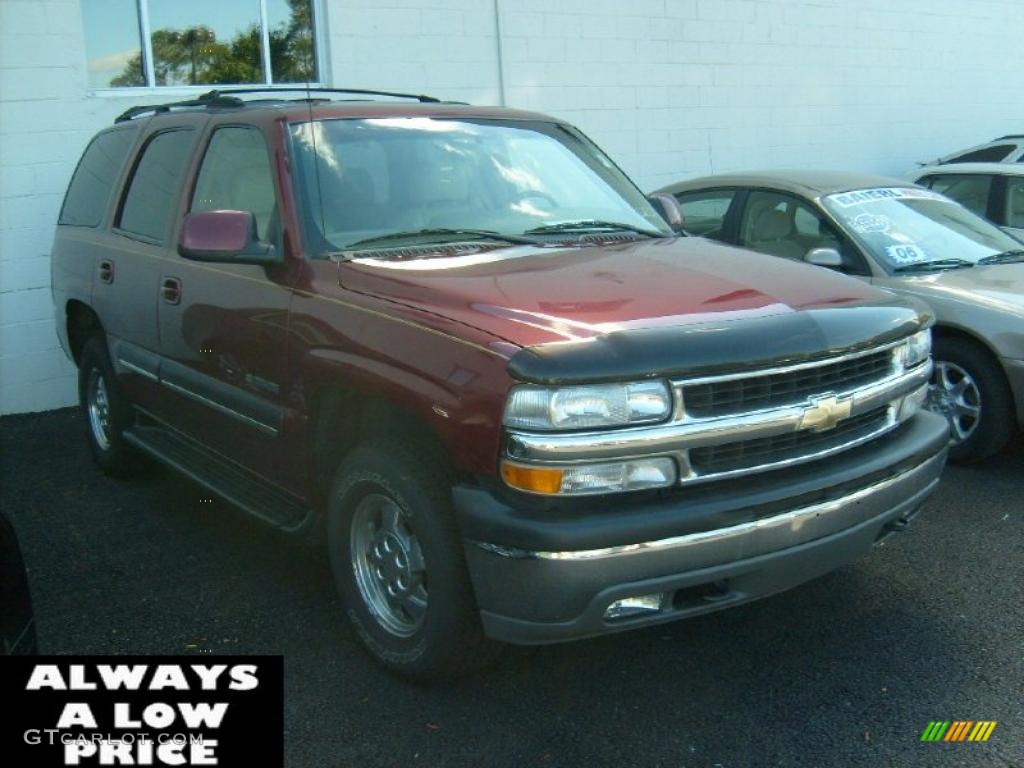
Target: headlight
<point>917,348</point>
<point>587,407</point>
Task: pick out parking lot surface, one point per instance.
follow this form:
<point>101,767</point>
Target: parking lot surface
<point>847,670</point>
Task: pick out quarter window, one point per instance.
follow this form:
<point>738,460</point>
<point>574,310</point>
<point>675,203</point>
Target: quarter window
<point>153,191</point>
<point>89,191</point>
<point>236,176</point>
<point>704,213</point>
<point>132,43</point>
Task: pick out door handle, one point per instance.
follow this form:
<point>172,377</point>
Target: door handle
<point>170,289</point>
<point>106,271</point>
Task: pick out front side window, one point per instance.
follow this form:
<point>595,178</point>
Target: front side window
<point>704,212</point>
<point>1015,202</point>
<point>236,176</point>
<point>912,229</point>
<point>395,178</point>
<point>94,178</point>
<point>153,190</point>
<point>783,226</point>
<point>970,190</point>
<point>195,42</point>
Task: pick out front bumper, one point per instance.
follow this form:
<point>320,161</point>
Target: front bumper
<point>1015,373</point>
<point>721,550</point>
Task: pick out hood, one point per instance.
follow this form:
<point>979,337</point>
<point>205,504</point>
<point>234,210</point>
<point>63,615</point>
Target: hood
<point>996,287</point>
<point>530,296</point>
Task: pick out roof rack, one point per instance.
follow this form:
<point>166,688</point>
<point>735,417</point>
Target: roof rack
<point>218,98</point>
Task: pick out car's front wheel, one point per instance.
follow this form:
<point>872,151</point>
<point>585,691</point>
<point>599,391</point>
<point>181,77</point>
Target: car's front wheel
<point>970,390</point>
<point>397,561</point>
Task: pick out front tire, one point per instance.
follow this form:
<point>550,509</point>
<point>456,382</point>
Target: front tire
<point>397,561</point>
<point>970,390</point>
<point>106,410</point>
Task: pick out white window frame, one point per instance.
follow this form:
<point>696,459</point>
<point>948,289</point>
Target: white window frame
<point>149,70</point>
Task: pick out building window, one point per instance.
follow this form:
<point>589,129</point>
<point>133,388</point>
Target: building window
<point>140,43</point>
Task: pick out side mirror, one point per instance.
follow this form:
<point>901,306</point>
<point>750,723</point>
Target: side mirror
<point>825,257</point>
<point>669,209</point>
<point>228,236</point>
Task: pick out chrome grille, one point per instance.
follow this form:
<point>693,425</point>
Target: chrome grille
<point>744,454</point>
<point>790,414</point>
<point>729,396</point>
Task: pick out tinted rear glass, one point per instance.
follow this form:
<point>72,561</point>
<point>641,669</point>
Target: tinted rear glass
<point>89,191</point>
<point>154,186</point>
<point>994,154</point>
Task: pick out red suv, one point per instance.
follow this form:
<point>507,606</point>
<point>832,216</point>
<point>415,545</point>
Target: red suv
<point>460,346</point>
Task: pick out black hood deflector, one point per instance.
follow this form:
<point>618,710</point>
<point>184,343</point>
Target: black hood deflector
<point>715,347</point>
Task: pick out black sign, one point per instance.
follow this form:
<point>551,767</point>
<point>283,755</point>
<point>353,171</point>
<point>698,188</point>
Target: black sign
<point>142,710</point>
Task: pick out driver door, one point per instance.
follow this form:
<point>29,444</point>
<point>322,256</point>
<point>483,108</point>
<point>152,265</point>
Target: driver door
<point>223,326</point>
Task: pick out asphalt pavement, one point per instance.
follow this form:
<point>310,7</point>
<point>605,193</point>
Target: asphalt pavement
<point>845,671</point>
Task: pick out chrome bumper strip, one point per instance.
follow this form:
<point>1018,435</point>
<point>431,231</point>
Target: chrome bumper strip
<point>790,525</point>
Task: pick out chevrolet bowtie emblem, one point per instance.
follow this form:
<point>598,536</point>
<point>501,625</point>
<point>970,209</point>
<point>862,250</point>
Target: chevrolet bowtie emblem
<point>825,413</point>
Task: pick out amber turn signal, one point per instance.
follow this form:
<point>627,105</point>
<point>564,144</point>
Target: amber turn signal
<point>532,479</point>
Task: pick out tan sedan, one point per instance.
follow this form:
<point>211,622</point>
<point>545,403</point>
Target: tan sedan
<point>910,240</point>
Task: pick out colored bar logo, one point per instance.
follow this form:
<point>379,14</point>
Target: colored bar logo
<point>958,730</point>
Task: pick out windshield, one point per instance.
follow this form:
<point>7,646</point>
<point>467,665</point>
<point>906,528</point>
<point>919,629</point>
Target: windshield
<point>401,180</point>
<point>908,228</point>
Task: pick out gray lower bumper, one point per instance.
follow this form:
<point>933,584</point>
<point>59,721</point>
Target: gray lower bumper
<point>695,573</point>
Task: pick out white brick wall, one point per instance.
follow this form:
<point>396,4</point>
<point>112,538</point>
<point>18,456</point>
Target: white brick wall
<point>671,88</point>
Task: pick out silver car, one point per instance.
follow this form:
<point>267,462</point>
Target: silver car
<point>911,240</point>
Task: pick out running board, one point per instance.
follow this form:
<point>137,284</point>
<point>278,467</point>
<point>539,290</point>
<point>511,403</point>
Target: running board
<point>235,485</point>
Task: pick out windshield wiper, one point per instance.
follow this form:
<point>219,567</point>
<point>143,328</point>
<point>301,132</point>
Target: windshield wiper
<point>592,225</point>
<point>929,266</point>
<point>434,233</point>
<point>1006,257</point>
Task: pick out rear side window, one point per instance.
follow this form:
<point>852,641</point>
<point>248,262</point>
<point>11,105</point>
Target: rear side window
<point>704,212</point>
<point>993,154</point>
<point>153,190</point>
<point>97,171</point>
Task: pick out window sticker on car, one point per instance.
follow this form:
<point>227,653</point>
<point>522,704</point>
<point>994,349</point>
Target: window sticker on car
<point>847,199</point>
<point>901,255</point>
<point>869,223</point>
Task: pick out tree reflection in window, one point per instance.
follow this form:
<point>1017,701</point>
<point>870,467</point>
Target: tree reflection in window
<point>195,56</point>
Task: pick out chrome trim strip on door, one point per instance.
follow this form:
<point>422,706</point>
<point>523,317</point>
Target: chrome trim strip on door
<point>136,369</point>
<point>220,408</point>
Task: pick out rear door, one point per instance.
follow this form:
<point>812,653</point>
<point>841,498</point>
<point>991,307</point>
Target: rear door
<point>125,287</point>
<point>223,326</point>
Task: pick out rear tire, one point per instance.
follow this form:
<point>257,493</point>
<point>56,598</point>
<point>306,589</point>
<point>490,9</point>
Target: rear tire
<point>970,390</point>
<point>106,410</point>
<point>397,561</point>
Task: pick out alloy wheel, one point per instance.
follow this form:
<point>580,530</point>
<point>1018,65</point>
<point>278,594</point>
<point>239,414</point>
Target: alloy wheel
<point>388,565</point>
<point>954,393</point>
<point>98,408</point>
